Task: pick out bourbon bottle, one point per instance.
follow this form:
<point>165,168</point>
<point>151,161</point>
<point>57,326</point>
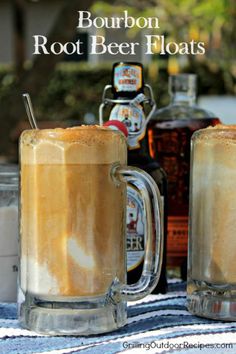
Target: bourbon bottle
<point>128,104</point>
<point>169,132</point>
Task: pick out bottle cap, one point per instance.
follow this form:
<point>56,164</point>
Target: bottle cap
<point>117,125</point>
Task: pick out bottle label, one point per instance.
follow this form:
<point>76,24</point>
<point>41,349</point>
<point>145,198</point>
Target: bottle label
<point>177,239</point>
<point>127,78</point>
<point>134,119</point>
<point>135,228</point>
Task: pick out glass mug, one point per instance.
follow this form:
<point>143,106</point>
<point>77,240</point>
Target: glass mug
<point>8,232</point>
<point>211,288</point>
<point>72,226</point>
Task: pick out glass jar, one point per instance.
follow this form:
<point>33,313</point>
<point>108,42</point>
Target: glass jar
<point>8,232</point>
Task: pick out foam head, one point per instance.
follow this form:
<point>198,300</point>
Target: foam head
<point>84,144</point>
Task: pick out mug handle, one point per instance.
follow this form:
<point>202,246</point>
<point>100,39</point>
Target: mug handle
<point>153,232</point>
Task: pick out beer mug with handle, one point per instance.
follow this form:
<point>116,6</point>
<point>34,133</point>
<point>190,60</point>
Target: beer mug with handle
<point>72,231</point>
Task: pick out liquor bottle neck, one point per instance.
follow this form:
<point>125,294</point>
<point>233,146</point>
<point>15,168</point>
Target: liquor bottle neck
<point>183,98</point>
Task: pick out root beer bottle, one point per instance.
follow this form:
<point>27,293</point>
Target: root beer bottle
<point>131,102</point>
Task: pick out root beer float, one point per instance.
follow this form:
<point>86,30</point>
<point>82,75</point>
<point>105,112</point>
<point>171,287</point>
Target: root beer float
<point>72,226</point>
<point>62,170</point>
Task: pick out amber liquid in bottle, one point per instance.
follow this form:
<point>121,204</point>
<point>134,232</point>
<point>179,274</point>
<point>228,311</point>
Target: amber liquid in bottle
<point>169,135</point>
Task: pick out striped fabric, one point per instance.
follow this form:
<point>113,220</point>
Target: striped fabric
<point>156,324</point>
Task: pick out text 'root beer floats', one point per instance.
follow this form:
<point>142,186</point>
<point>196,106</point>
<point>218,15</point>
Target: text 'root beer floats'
<point>99,45</point>
<point>128,104</point>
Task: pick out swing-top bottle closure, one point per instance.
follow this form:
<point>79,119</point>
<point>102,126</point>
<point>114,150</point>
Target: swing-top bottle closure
<point>129,97</point>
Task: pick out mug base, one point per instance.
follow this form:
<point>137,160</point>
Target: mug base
<point>75,318</point>
<point>211,305</point>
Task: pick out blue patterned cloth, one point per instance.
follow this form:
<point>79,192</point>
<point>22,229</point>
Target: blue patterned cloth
<point>156,324</point>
